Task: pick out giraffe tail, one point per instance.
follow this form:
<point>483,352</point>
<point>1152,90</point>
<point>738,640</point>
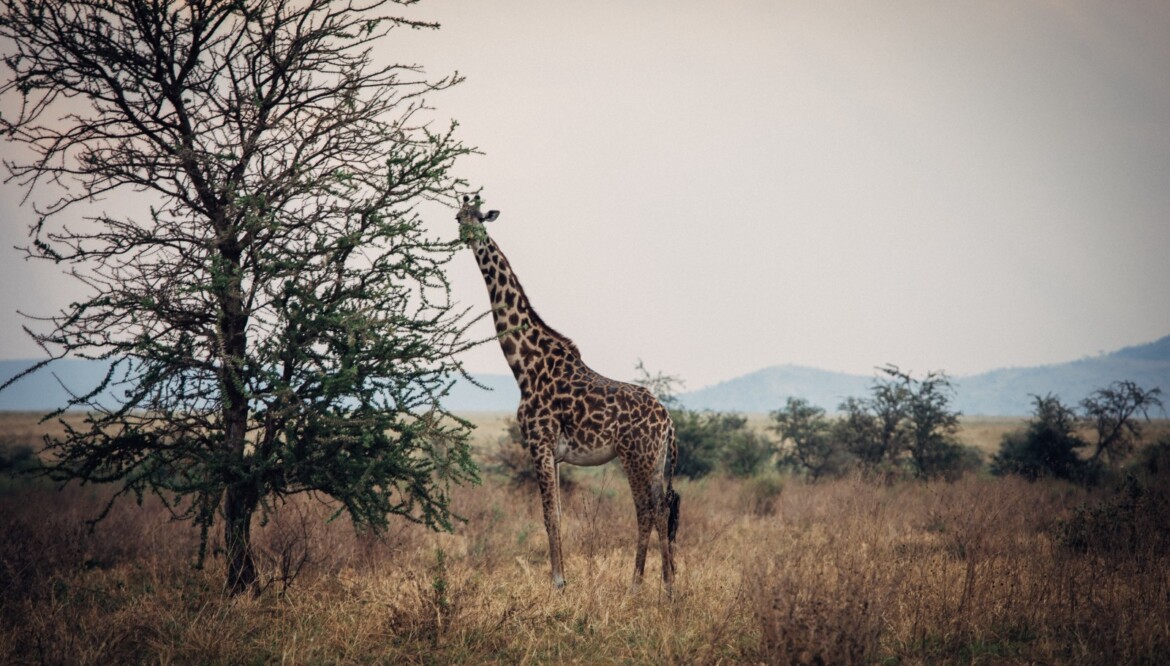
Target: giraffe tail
<point>673,501</point>
<point>672,497</point>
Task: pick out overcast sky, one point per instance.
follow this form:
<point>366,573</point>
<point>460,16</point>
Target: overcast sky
<point>718,187</point>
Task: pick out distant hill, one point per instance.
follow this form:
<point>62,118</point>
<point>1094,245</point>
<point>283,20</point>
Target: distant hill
<point>767,389</point>
<point>49,388</point>
<point>1004,392</point>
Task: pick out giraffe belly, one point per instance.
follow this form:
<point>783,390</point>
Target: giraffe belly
<point>583,453</point>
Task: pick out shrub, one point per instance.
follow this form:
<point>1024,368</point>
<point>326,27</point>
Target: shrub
<point>906,423</point>
<point>510,458</point>
<point>707,440</point>
<point>810,449</point>
<point>17,458</point>
<point>1134,519</point>
<point>698,443</point>
<point>1047,446</point>
<point>1154,460</point>
<point>761,493</point>
<point>744,451</point>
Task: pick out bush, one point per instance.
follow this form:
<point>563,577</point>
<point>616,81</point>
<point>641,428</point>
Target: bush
<point>1047,446</point>
<point>1154,460</point>
<point>17,458</point>
<point>948,460</point>
<point>811,448</point>
<point>710,440</point>
<point>698,443</point>
<point>744,450</point>
<point>1134,519</point>
<point>761,493</point>
<point>510,458</point>
<point>906,425</point>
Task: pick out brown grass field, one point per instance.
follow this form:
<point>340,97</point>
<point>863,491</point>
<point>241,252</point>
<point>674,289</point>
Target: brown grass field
<point>771,570</point>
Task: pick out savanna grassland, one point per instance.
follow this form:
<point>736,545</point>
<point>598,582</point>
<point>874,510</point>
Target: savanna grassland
<point>771,570</point>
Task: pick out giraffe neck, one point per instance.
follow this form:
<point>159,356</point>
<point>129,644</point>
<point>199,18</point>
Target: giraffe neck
<point>530,346</point>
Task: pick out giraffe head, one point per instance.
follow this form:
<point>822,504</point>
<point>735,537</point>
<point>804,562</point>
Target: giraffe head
<point>471,219</point>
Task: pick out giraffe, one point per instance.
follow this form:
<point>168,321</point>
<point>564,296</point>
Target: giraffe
<point>569,413</point>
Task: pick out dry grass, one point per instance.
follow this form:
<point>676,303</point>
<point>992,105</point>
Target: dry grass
<point>833,573</point>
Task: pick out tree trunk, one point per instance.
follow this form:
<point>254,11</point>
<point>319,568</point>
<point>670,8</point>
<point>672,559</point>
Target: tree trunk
<point>241,497</point>
<point>243,493</point>
<point>239,505</point>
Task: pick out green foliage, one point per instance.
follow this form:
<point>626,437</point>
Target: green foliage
<point>1047,446</point>
<point>810,446</point>
<point>699,446</point>
<point>1154,460</point>
<point>857,431</point>
<point>928,424</point>
<point>744,450</point>
<point>509,457</point>
<point>18,459</point>
<point>762,492</point>
<point>906,423</point>
<point>1051,443</point>
<point>707,440</point>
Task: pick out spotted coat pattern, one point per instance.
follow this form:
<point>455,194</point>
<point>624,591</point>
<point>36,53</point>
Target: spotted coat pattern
<point>569,413</point>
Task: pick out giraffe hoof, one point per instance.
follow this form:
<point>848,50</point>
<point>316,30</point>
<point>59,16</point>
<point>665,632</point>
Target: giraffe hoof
<point>558,583</point>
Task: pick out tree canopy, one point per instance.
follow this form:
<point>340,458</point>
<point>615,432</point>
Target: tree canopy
<point>278,318</point>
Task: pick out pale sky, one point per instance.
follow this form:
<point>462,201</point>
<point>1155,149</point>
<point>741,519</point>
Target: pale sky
<point>717,187</point>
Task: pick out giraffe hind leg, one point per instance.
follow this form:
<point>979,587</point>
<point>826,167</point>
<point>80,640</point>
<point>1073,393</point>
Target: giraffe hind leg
<point>644,508</point>
<point>645,527</point>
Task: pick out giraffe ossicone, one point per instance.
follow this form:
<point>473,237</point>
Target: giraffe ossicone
<point>570,413</point>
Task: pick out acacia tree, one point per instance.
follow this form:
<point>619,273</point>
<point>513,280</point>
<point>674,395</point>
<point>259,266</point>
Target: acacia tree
<point>1046,447</point>
<point>930,422</point>
<point>804,425</point>
<point>907,421</point>
<point>1050,444</point>
<point>1113,413</point>
<point>874,429</point>
<point>279,322</point>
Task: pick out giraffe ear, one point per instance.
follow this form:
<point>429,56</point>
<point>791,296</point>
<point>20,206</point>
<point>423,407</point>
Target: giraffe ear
<point>491,215</point>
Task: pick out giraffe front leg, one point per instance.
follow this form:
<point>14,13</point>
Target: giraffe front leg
<point>550,501</point>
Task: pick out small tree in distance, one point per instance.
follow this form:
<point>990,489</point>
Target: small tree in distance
<point>1113,414</point>
<point>811,448</point>
<point>698,452</point>
<point>280,322</point>
<point>706,440</point>
<point>906,423</point>
<point>1046,447</point>
<point>930,422</point>
<point>1051,443</point>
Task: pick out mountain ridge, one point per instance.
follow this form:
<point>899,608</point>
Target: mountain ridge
<point>1001,392</point>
